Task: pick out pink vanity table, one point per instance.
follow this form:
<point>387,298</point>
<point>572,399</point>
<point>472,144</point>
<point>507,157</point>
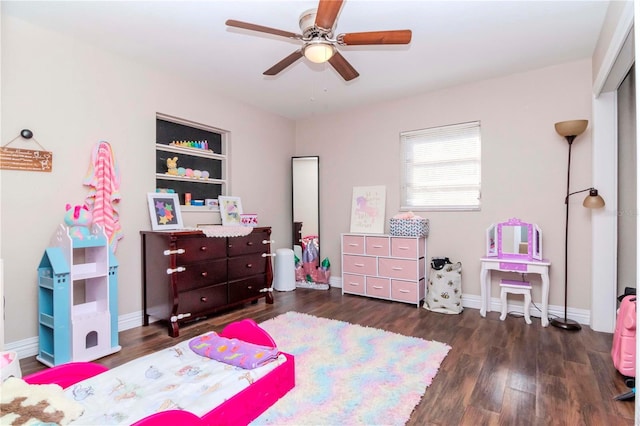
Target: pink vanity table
<point>514,246</point>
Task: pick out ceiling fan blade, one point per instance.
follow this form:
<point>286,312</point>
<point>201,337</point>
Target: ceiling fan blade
<point>376,37</point>
<point>327,13</point>
<point>284,63</point>
<point>262,29</point>
<point>343,67</point>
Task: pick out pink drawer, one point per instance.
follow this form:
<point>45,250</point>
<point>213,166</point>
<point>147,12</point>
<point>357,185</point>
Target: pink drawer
<point>377,246</point>
<point>405,247</point>
<point>353,244</point>
<point>399,268</point>
<point>353,284</point>
<point>406,291</point>
<point>378,287</point>
<point>508,266</point>
<point>359,265</point>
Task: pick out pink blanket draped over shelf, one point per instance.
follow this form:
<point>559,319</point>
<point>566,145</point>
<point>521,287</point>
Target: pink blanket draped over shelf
<point>103,177</point>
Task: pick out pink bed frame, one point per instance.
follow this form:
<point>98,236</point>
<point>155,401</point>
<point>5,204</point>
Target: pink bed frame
<point>240,409</point>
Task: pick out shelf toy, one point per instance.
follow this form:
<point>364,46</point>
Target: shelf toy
<point>78,219</point>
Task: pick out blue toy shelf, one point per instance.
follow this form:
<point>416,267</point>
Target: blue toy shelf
<point>77,299</point>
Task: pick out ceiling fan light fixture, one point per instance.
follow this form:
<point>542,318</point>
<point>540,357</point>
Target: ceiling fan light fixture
<point>318,51</point>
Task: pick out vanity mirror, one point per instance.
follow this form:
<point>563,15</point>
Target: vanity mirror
<point>305,175</point>
<point>514,239</point>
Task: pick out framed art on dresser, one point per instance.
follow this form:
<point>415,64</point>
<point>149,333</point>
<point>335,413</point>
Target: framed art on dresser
<point>230,210</point>
<point>164,211</point>
<point>367,209</point>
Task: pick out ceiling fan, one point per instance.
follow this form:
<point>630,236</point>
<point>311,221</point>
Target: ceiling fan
<point>317,27</point>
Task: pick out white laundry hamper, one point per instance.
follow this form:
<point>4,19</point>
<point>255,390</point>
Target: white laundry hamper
<point>284,275</point>
<point>444,287</point>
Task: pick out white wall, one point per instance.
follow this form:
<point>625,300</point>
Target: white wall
<point>524,167</point>
<point>72,96</point>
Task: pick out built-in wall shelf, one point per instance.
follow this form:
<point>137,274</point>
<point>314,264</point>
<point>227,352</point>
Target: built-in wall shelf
<point>213,160</point>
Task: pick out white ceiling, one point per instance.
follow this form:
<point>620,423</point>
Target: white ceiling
<point>453,42</point>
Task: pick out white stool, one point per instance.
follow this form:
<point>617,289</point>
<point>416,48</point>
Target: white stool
<point>515,287</point>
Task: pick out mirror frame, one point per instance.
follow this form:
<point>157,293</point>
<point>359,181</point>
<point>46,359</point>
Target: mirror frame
<point>293,198</point>
<point>494,241</point>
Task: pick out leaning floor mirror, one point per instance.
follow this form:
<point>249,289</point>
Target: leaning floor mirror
<point>305,174</point>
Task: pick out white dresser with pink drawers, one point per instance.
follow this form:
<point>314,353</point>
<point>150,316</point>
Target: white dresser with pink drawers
<point>385,267</point>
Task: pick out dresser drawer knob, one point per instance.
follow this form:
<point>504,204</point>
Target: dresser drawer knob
<point>203,248</point>
<point>268,241</point>
<point>204,274</point>
<point>249,243</point>
<point>170,252</point>
<point>178,269</point>
<point>397,268</point>
<point>203,299</point>
<point>249,287</point>
<point>249,265</point>
<point>268,255</point>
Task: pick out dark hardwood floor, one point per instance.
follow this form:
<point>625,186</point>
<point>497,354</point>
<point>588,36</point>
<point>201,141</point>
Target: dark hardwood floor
<point>497,372</point>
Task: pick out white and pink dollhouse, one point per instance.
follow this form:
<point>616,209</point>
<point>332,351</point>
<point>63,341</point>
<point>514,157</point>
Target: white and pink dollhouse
<point>77,298</point>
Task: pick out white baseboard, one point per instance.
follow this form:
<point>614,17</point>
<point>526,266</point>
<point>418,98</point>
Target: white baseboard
<point>582,316</point>
<point>29,347</point>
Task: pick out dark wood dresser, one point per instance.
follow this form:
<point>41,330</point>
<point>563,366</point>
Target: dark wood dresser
<point>187,275</point>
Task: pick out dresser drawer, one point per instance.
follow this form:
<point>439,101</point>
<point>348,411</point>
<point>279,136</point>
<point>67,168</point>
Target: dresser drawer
<point>399,268</point>
<point>353,244</point>
<point>202,300</point>
<point>246,288</point>
<point>353,284</point>
<point>245,266</point>
<point>378,287</point>
<point>197,249</point>
<point>377,246</point>
<point>406,291</point>
<point>252,243</point>
<point>201,274</point>
<point>405,247</point>
<point>359,264</point>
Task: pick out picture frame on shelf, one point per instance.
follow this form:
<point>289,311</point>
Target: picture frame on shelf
<point>230,210</point>
<point>212,204</point>
<point>164,211</point>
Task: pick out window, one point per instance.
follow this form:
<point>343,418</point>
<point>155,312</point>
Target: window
<point>441,168</point>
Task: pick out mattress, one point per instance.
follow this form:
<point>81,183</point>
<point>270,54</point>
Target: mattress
<point>171,379</point>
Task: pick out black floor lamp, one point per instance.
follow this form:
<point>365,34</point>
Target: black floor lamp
<point>569,130</point>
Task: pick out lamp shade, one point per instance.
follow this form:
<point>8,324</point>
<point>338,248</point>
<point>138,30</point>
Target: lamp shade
<point>571,128</point>
<point>593,200</point>
<point>318,51</point>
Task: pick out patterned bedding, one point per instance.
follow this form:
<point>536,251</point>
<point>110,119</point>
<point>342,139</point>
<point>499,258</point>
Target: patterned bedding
<point>173,378</point>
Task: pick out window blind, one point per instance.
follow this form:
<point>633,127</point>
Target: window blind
<point>441,168</point>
